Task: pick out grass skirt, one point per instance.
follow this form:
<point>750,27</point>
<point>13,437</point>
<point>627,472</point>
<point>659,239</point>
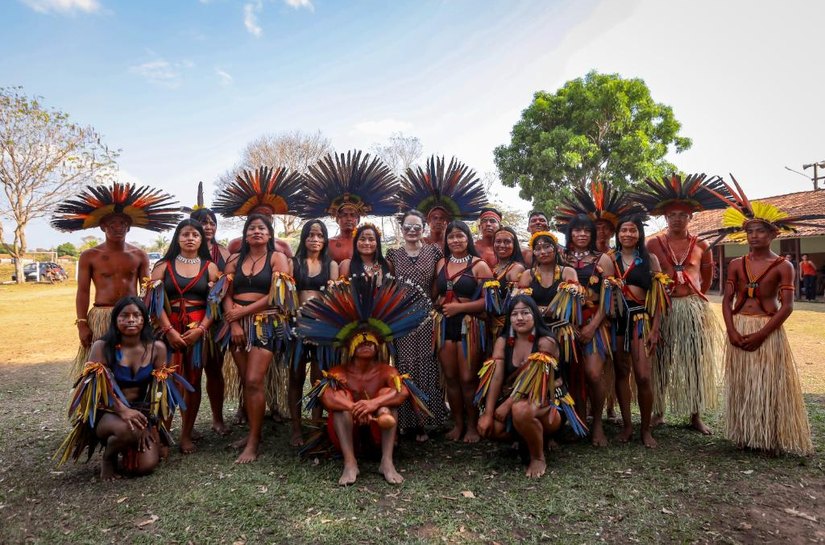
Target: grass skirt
<point>685,372</point>
<point>99,320</point>
<point>764,408</point>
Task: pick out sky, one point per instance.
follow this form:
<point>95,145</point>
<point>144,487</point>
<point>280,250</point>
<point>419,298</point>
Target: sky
<point>181,87</point>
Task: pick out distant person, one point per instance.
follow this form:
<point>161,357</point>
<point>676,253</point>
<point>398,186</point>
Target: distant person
<point>807,273</point>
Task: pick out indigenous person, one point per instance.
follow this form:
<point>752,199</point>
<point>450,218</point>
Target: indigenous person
<point>807,277</point>
<point>114,267</point>
<point>213,356</point>
<point>348,187</point>
<point>180,282</point>
<point>506,272</point>
<point>685,370</point>
<point>414,263</point>
<point>458,328</point>
<point>266,191</point>
<point>123,396</point>
<point>313,269</point>
<point>367,257</point>
<point>764,405</point>
<point>489,223</point>
<point>644,300</point>
<point>547,273</point>
<point>256,308</point>
<point>519,384</point>
<point>593,344</point>
<point>442,195</point>
<point>536,222</point>
<point>363,393</point>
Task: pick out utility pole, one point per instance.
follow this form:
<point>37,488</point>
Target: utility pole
<point>816,176</point>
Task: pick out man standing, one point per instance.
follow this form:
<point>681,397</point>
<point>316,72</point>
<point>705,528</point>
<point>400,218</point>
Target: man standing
<point>114,267</point>
<point>536,223</point>
<point>488,223</point>
<point>686,368</point>
<point>807,274</point>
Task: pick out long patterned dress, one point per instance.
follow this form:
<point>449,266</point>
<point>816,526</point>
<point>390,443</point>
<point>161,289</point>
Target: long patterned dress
<point>415,351</point>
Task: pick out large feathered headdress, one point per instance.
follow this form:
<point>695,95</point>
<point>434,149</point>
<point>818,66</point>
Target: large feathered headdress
<point>362,310</point>
<point>199,204</point>
<point>741,211</point>
<point>599,202</point>
<point>456,189</point>
<point>690,194</point>
<point>275,188</point>
<point>146,207</point>
<point>355,179</point>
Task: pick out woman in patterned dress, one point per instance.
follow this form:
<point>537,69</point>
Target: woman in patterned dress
<point>415,263</point>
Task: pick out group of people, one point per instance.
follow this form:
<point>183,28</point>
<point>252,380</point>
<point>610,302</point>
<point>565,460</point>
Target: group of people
<point>511,341</point>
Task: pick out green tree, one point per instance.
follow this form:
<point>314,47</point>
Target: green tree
<point>601,127</point>
<point>67,248</point>
<point>90,241</point>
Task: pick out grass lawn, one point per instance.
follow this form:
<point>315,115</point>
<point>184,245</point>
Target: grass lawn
<point>691,489</point>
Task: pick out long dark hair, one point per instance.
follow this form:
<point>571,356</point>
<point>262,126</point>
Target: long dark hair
<point>174,246</point>
<point>112,338</point>
<point>270,245</point>
<point>516,257</point>
<point>461,226</point>
<point>202,213</point>
<point>357,264</point>
<point>581,221</point>
<point>541,328</point>
<point>638,221</point>
<point>302,271</point>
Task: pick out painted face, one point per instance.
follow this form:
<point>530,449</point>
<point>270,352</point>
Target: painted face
<point>521,318</point>
<point>544,251</point>
<point>537,223</point>
<point>489,225</point>
<point>503,245</point>
<point>210,228</point>
<point>366,350</point>
<point>760,234</point>
<point>116,226</point>
<point>367,243</point>
<point>257,233</point>
<point>677,220</point>
<point>412,228</point>
<point>581,238</point>
<point>457,242</point>
<point>315,238</point>
<point>189,239</point>
<point>347,218</point>
<point>130,320</point>
<point>438,220</point>
<point>628,234</point>
<point>604,230</point>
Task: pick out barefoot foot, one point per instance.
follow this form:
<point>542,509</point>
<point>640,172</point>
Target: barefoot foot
<point>697,424</point>
<point>658,420</point>
<point>349,474</point>
<point>296,439</point>
<point>240,418</point>
<point>387,469</point>
<point>598,437</point>
<point>249,455</point>
<point>107,470</point>
<point>220,428</point>
<point>240,443</point>
<point>472,435</point>
<point>648,440</point>
<point>187,446</point>
<point>625,435</point>
<point>454,434</point>
<point>536,469</point>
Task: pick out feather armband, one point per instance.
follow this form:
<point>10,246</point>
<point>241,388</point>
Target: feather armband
<point>154,297</point>
<point>657,301</point>
<point>418,398</point>
<point>611,300</point>
<point>492,296</point>
<point>216,295</point>
<point>535,380</point>
<point>164,395</point>
<point>282,292</point>
<point>564,402</point>
<point>568,302</point>
<point>485,378</point>
<point>95,388</point>
<point>328,380</point>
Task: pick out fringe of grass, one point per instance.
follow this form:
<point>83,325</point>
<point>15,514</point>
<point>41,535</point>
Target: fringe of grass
<point>99,319</point>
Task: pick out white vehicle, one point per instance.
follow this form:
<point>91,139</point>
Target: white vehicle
<point>153,258</point>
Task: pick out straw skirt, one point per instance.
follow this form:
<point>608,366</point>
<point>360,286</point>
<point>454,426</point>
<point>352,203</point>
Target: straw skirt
<point>99,320</point>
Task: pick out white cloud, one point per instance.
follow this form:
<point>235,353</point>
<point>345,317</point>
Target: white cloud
<point>162,72</point>
<point>298,4</point>
<point>63,6</point>
<point>250,18</point>
<point>224,77</point>
<point>382,127</point>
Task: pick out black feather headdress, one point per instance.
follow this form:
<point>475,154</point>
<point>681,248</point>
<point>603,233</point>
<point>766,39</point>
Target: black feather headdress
<point>456,189</point>
<point>275,188</point>
<point>599,202</point>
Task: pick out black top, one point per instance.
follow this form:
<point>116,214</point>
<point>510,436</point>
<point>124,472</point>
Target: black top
<point>194,288</point>
<point>508,358</point>
<point>638,276</point>
<point>464,284</point>
<point>304,282</point>
<point>541,295</point>
<point>257,283</point>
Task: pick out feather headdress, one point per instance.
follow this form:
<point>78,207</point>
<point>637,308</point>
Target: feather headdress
<point>691,194</point>
<point>355,179</point>
<point>741,211</point>
<point>275,188</point>
<point>199,205</point>
<point>456,189</point>
<point>599,202</point>
<point>362,310</point>
<point>146,207</point>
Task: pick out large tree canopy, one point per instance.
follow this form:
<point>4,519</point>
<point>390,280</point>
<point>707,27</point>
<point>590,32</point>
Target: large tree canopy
<point>600,127</point>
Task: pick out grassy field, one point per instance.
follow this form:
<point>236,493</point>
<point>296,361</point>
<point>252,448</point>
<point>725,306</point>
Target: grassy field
<point>691,489</point>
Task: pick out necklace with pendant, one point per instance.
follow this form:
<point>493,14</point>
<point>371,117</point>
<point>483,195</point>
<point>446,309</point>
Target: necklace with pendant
<point>464,259</point>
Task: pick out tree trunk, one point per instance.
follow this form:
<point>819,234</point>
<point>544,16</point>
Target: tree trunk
<point>19,249</point>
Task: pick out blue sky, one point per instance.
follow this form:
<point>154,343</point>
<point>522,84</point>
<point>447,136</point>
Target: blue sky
<point>181,86</point>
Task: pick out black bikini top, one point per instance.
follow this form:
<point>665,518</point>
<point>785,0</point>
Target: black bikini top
<point>257,283</point>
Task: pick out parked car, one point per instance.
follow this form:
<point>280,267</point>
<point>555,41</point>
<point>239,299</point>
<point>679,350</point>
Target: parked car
<point>49,272</point>
<point>153,258</point>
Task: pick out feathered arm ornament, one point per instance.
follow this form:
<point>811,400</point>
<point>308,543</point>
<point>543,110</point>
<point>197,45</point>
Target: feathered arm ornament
<point>568,302</point>
<point>154,297</point>
<point>485,378</point>
<point>658,296</point>
<point>611,300</point>
<point>564,401</point>
<point>216,295</point>
<point>417,396</point>
<point>492,296</point>
<point>328,380</point>
<point>164,395</point>
<point>535,379</point>
<point>282,292</point>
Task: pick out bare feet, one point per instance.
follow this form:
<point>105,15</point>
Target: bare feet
<point>697,424</point>
<point>625,435</point>
<point>387,469</point>
<point>472,435</point>
<point>164,452</point>
<point>349,474</point>
<point>240,417</point>
<point>551,445</point>
<point>536,469</point>
<point>187,446</point>
<point>597,436</point>
<point>422,437</point>
<point>240,443</point>
<point>648,440</point>
<point>107,470</point>
<point>220,428</point>
<point>277,417</point>
<point>296,439</point>
<point>454,434</point>
<point>657,420</point>
<point>249,455</point>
